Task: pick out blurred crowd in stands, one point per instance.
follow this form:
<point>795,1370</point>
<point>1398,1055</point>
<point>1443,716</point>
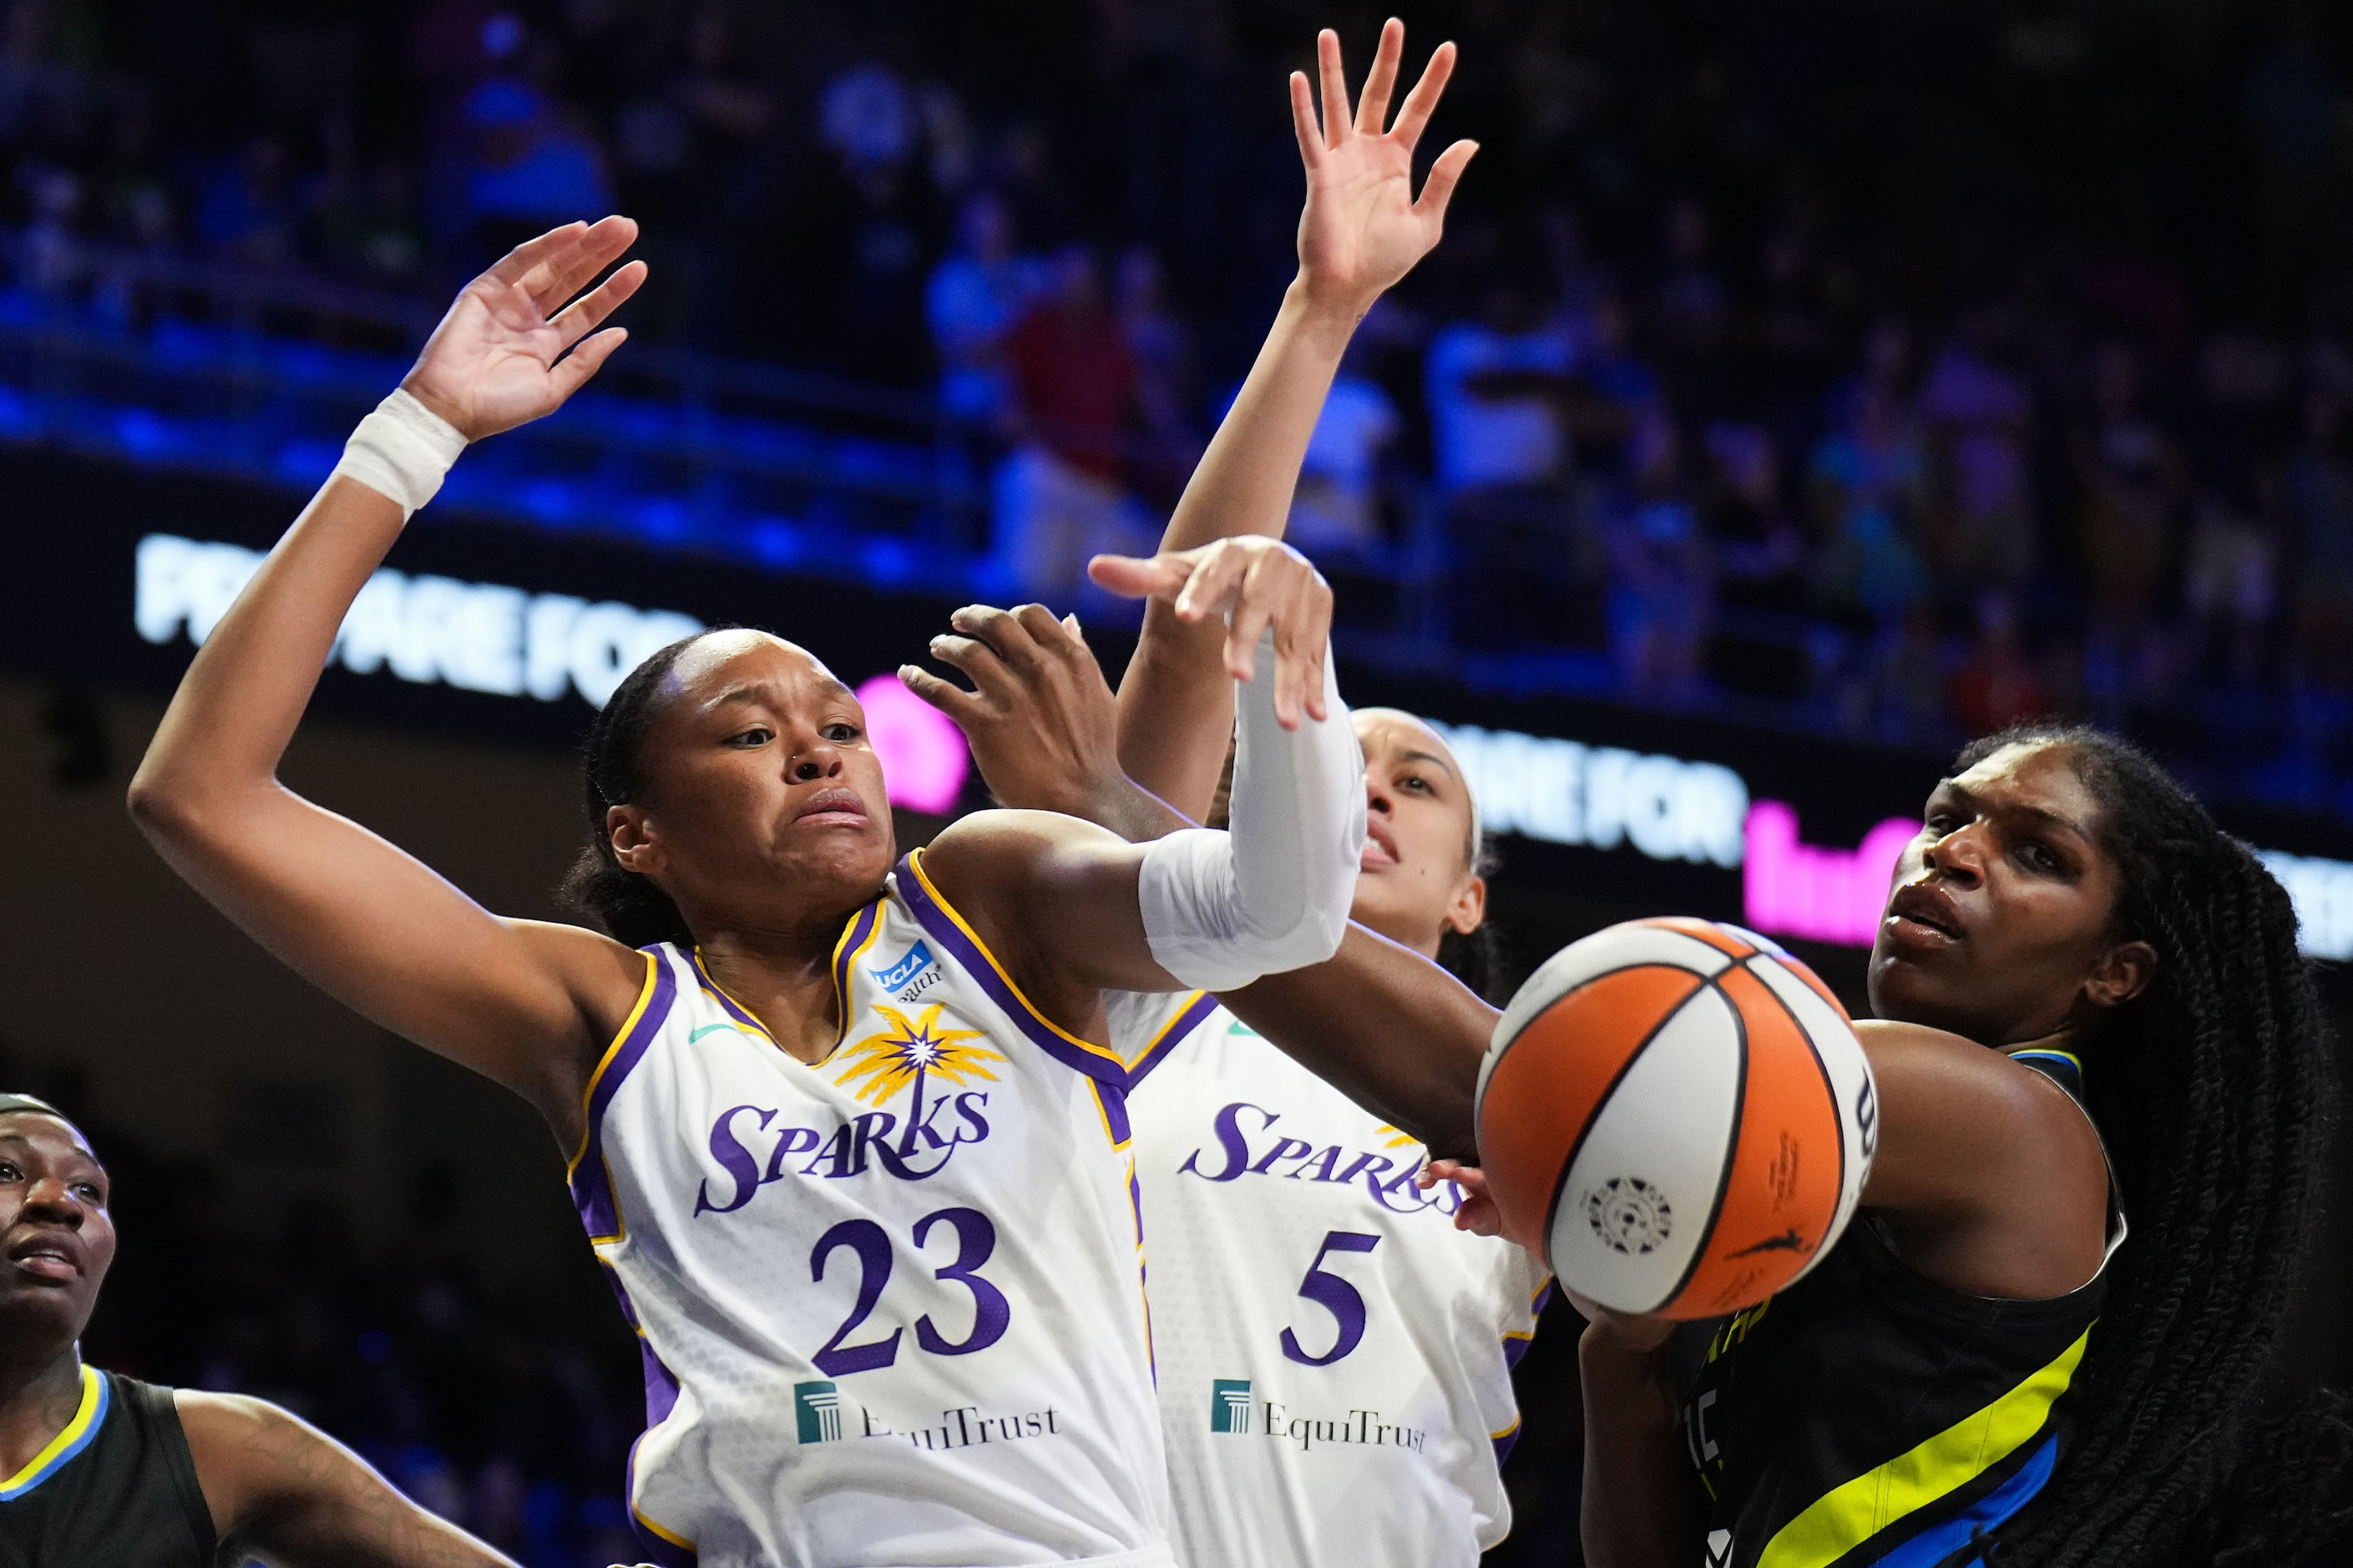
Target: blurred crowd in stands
<point>1923,368</point>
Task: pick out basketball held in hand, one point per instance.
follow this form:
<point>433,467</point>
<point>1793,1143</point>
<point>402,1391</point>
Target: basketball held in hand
<point>1677,1116</point>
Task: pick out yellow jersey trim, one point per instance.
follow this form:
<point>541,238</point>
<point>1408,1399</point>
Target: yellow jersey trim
<point>915,863</point>
<point>588,1089</point>
<point>66,1443</point>
<point>1842,1519</point>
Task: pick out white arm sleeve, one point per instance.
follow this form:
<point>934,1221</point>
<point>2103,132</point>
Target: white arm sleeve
<point>1273,892</point>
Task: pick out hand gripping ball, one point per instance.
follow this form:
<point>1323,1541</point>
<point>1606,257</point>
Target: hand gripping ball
<point>1677,1116</point>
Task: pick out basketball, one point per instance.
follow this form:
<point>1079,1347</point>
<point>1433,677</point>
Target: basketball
<point>1677,1115</point>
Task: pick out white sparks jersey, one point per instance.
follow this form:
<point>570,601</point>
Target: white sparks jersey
<point>1334,1357</point>
<point>890,1304</point>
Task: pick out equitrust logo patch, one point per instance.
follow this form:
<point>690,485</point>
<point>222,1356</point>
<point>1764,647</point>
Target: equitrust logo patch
<point>1229,1406</point>
<point>817,1406</point>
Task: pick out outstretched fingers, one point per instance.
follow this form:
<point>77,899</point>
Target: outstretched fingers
<point>585,314</point>
<point>950,699</point>
<point>572,370</point>
<point>1422,101</point>
<point>1336,121</point>
<point>1138,577</point>
<point>517,263</point>
<point>1373,103</point>
<point>566,272</point>
<point>1303,121</point>
<point>1438,185</point>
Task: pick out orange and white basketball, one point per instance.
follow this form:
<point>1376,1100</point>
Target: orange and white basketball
<point>1677,1116</point>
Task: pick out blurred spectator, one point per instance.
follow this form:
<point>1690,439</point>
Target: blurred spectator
<point>1494,387</point>
<point>1661,582</point>
<point>2230,584</point>
<point>529,165</point>
<point>976,296</point>
<point>873,221</point>
<point>2320,501</point>
<point>1059,495</point>
<point>1756,549</point>
<point>1869,476</point>
<point>1491,387</point>
<point>2131,481</point>
<point>1976,407</point>
<point>1998,686</point>
<point>248,215</point>
<point>1335,511</point>
<point>1157,341</point>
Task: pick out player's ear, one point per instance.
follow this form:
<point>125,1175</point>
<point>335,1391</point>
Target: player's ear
<point>1469,909</point>
<point>2122,973</point>
<point>635,845</point>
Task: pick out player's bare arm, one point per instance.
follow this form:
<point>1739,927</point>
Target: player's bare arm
<point>280,1488</point>
<point>526,1004</point>
<point>1361,230</point>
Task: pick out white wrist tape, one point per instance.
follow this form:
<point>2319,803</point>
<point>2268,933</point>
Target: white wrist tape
<point>1273,892</point>
<point>402,451</point>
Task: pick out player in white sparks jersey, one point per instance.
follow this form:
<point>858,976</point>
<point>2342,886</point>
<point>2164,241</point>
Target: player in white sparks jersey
<point>1335,1356</point>
<point>851,1138</point>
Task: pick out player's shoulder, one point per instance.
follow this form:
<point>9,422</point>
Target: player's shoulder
<point>1962,1079</point>
<point>244,1449</point>
<point>991,847</point>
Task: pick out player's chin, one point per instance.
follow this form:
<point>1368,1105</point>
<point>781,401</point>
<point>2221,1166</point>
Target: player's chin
<point>1927,988</point>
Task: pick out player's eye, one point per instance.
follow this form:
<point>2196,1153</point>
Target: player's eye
<point>2038,856</point>
<point>840,735</point>
<point>1414,781</point>
<point>9,1172</point>
<point>1941,822</point>
<point>758,735</point>
<point>90,1192</point>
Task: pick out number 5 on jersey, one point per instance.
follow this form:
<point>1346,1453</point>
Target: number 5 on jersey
<point>1336,1295</point>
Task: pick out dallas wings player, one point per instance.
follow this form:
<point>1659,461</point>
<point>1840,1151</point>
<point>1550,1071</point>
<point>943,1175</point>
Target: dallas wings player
<point>927,1344</point>
<point>1333,1355</point>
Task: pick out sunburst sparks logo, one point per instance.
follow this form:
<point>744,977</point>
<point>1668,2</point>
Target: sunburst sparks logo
<point>910,1051</point>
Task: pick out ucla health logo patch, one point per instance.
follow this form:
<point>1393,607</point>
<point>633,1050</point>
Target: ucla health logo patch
<point>904,969</point>
<point>817,1406</point>
<point>1229,1406</point>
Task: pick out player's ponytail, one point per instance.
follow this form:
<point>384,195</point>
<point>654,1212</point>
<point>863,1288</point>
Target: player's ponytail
<point>599,888</point>
<point>2214,1094</point>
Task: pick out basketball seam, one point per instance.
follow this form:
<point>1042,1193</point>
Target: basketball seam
<point>1838,1111</point>
<point>1601,1100</point>
<point>1496,1065</point>
<point>1731,1141</point>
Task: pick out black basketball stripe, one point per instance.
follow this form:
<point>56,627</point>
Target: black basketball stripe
<point>1731,1141</point>
<point>1729,962</point>
<point>1829,1088</point>
<point>1568,1161</point>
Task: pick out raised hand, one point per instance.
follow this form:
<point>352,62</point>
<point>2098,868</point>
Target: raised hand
<point>1362,229</point>
<point>1256,583</point>
<point>1042,723</point>
<point>498,358</point>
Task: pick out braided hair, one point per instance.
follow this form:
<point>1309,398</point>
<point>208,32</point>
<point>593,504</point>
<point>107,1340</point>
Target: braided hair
<point>599,888</point>
<point>2214,1094</point>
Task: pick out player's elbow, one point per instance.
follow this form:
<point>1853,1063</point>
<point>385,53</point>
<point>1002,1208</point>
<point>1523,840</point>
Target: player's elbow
<point>170,808</point>
<point>161,808</point>
<point>1313,937</point>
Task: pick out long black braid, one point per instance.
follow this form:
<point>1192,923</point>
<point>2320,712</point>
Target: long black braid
<point>2215,1092</point>
<point>599,888</point>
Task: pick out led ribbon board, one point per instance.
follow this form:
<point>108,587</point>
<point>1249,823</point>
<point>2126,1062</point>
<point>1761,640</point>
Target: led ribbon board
<point>508,642</point>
